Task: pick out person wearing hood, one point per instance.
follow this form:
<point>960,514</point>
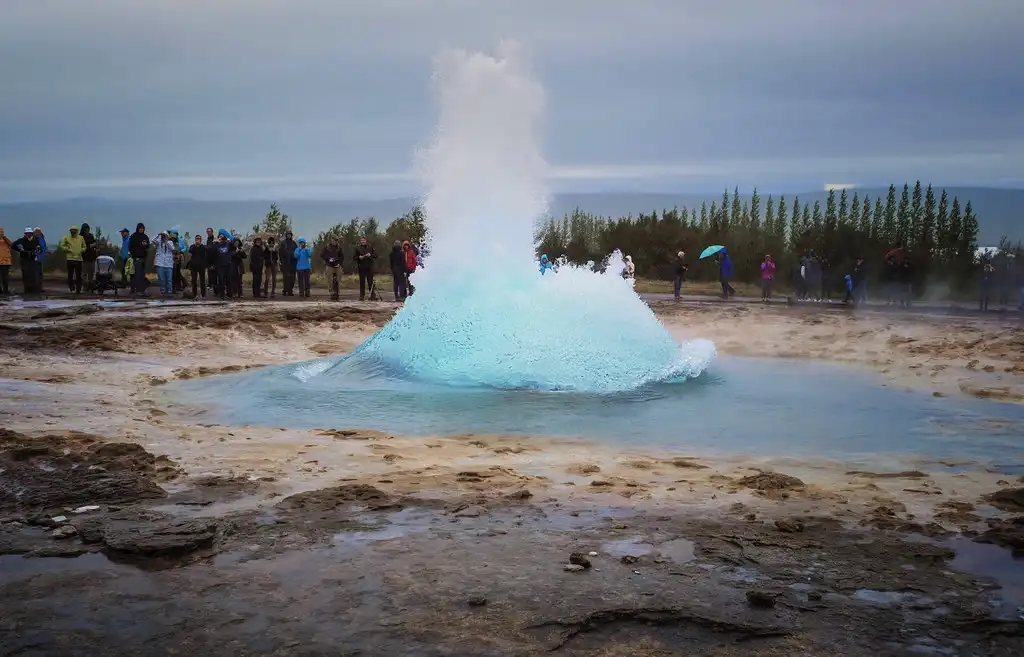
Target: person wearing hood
<point>237,267</point>
<point>177,280</point>
<point>364,257</point>
<point>303,257</point>
<point>545,264</point>
<point>725,272</point>
<point>125,237</point>
<point>396,260</point>
<point>138,248</point>
<point>73,246</point>
<point>197,263</point>
<point>411,262</point>
<point>680,271</point>
<point>270,268</point>
<point>767,277</point>
<point>28,248</point>
<point>5,263</point>
<point>630,267</point>
<point>89,255</point>
<point>163,260</point>
<point>40,257</point>
<point>211,262</point>
<point>257,258</point>
<point>288,264</point>
<point>220,255</point>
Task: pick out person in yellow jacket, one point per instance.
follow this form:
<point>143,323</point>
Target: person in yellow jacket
<point>5,263</point>
<point>73,246</point>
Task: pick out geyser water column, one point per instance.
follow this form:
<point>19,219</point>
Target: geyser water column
<point>483,315</point>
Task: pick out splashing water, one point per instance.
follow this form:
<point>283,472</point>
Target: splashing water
<point>483,314</point>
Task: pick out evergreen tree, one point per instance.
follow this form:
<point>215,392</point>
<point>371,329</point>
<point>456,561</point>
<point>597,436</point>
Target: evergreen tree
<point>816,222</point>
<point>715,226</point>
<point>755,209</point>
<point>888,234</point>
<point>864,226</point>
<point>903,217</point>
<point>927,240</point>
<point>723,219</point>
<point>955,230</point>
<point>830,209</point>
<point>916,216</point>
<point>693,218</point>
<point>968,236</point>
<point>737,211</point>
<point>795,229</point>
<point>942,228</point>
<point>769,214</point>
<point>878,219</point>
<point>703,217</point>
<point>780,218</point>
<point>844,208</point>
<point>805,221</point>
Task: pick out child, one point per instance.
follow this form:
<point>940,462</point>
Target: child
<point>303,264</point>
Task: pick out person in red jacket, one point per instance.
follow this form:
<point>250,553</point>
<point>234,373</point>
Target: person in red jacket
<point>410,264</point>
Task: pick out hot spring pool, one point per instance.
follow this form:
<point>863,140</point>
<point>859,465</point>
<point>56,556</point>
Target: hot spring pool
<point>767,407</point>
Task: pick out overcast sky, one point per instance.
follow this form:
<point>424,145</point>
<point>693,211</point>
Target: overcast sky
<point>329,98</point>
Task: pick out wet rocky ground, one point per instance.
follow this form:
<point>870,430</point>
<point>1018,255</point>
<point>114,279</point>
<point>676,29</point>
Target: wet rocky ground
<point>106,549</point>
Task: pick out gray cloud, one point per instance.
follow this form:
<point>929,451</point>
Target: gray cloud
<point>307,96</point>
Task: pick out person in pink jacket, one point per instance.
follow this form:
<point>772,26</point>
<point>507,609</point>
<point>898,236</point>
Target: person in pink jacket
<point>767,276</point>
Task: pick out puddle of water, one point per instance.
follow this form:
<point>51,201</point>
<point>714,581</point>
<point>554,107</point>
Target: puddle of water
<point>678,550</point>
<point>880,597</point>
<point>994,563</point>
<point>627,547</point>
<point>14,568</point>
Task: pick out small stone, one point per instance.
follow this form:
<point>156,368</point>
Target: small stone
<point>580,559</point>
<point>60,519</point>
<point>592,554</point>
<point>600,483</point>
<point>86,509</point>
<point>790,525</point>
<point>478,601</point>
<point>760,599</point>
<point>629,559</point>
<point>64,531</point>
<point>814,595</point>
<point>573,568</point>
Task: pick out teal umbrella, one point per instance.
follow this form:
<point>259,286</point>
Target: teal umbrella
<point>711,250</point>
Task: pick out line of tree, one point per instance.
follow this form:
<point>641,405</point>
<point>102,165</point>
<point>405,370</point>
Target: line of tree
<point>939,234</point>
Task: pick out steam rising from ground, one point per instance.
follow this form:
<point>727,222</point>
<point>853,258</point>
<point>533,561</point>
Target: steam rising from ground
<point>482,314</point>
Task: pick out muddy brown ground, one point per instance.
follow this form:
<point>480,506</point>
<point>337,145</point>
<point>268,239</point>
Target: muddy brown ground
<point>175,536</point>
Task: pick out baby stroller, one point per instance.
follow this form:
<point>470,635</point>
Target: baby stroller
<point>104,279</point>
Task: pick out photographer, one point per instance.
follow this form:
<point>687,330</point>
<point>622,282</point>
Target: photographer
<point>332,257</point>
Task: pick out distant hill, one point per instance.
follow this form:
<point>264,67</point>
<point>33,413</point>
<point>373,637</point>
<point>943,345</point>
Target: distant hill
<point>1000,211</point>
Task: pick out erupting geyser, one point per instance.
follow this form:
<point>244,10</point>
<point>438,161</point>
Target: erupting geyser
<point>483,315</point>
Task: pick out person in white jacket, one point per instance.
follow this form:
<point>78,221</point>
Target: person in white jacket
<point>164,262</point>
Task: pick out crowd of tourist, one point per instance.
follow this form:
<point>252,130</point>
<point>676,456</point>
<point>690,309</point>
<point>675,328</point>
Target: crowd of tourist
<point>216,265</point>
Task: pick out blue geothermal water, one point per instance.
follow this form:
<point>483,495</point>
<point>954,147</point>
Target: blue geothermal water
<point>770,407</point>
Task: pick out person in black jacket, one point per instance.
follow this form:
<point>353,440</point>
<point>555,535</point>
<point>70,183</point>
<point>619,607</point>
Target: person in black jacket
<point>680,272</point>
<point>364,257</point>
<point>211,264</point>
<point>138,249</point>
<point>237,267</point>
<point>89,256</point>
<point>287,253</point>
<point>396,260</point>
<point>859,282</point>
<point>257,257</point>
<point>270,268</point>
<point>197,263</point>
<point>28,248</point>
<point>220,255</point>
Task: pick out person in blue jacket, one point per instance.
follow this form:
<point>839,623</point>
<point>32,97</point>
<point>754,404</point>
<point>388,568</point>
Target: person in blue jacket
<point>545,264</point>
<point>40,257</point>
<point>725,272</point>
<point>303,265</point>
<point>125,236</point>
